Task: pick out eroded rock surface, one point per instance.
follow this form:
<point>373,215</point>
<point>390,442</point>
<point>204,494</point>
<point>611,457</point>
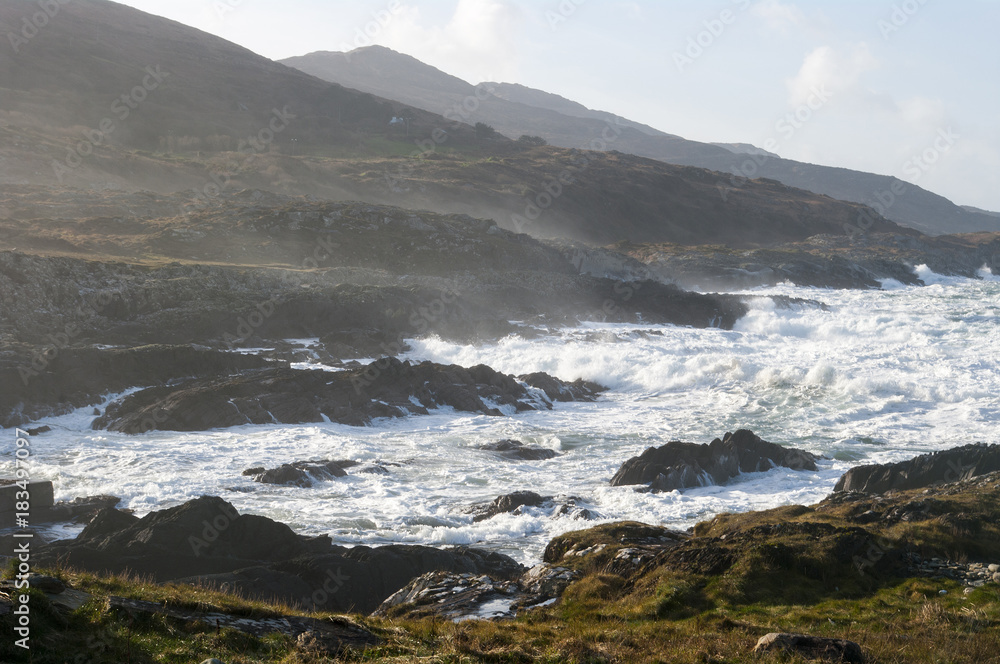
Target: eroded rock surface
<point>678,465</point>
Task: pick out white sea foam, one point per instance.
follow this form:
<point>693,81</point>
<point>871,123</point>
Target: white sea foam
<point>880,376</point>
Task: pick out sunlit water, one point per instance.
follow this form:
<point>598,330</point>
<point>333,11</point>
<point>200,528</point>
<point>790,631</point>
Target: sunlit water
<point>880,376</point>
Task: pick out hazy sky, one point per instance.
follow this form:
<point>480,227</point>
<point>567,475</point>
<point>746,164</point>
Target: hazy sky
<point>909,88</point>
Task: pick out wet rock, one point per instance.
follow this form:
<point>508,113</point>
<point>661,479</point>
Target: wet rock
<point>384,388</point>
<point>513,503</point>
<point>811,647</point>
<point>557,390</point>
<point>678,465</point>
<point>515,449</point>
<point>954,465</point>
<point>300,473</point>
<point>77,377</point>
<point>37,431</point>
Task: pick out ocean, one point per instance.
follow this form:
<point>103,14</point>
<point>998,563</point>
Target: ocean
<point>875,376</point>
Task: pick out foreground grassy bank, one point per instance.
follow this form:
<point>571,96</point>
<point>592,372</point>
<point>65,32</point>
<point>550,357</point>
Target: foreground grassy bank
<point>852,567</point>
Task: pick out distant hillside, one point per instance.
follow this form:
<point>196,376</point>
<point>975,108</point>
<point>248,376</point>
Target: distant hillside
<point>745,148</point>
<point>107,74</point>
<point>540,99</point>
<point>518,110</point>
<point>608,197</point>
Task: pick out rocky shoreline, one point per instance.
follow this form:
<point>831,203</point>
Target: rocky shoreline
<point>851,546</point>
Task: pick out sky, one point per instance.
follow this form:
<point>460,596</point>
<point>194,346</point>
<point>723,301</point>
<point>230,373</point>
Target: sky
<point>909,88</point>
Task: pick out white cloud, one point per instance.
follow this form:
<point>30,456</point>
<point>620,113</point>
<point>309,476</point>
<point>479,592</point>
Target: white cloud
<point>838,72</point>
<point>478,43</point>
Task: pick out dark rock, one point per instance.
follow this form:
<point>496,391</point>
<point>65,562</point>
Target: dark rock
<point>39,430</point>
<point>107,523</point>
<point>77,377</point>
<point>557,390</point>
<point>514,449</point>
<point>514,502</point>
<point>207,541</point>
<point>954,465</point>
<point>299,473</point>
<point>385,388</point>
<point>811,647</point>
<point>678,465</point>
<point>47,584</point>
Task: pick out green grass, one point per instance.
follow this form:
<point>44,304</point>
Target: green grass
<point>707,600</point>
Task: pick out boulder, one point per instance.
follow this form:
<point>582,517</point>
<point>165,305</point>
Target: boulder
<point>678,465</point>
<point>514,502</point>
<point>300,473</point>
<point>450,596</point>
<point>206,541</point>
<point>557,390</point>
<point>811,647</point>
<point>515,449</point>
<point>959,463</point>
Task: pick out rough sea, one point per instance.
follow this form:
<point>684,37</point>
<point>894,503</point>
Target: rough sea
<point>876,376</point>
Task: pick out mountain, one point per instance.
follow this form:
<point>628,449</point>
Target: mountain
<point>539,99</point>
<point>745,148</point>
<point>100,75</point>
<point>109,98</point>
<point>515,111</point>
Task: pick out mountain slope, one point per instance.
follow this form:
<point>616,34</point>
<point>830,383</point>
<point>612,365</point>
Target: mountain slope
<point>516,110</point>
<point>105,73</point>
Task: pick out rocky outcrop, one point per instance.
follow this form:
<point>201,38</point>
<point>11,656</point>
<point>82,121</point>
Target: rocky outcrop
<point>300,473</point>
<point>208,541</point>
<point>944,467</point>
<point>50,380</point>
<point>514,503</point>
<point>385,388</point>
<point>518,451</point>
<point>456,597</point>
<point>557,390</point>
<point>678,465</point>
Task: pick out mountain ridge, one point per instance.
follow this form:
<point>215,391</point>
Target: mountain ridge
<point>918,208</point>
